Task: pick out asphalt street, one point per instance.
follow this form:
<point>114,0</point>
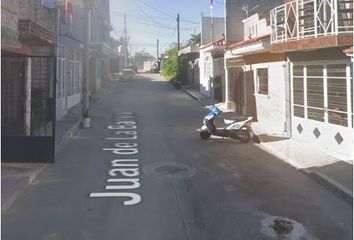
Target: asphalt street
<point>189,189</point>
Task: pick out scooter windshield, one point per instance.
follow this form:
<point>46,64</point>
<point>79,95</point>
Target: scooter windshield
<point>215,111</point>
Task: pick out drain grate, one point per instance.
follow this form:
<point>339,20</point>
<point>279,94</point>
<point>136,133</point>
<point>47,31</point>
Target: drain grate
<point>170,170</point>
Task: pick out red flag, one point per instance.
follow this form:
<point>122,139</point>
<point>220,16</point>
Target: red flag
<point>69,7</point>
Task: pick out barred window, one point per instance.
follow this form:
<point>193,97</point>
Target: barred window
<point>262,81</point>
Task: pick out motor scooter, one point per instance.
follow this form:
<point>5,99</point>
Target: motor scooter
<point>239,129</point>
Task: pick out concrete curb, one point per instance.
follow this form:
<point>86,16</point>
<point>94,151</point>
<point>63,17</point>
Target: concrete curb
<point>333,186</point>
<point>16,195</point>
<point>330,184</point>
<point>194,97</point>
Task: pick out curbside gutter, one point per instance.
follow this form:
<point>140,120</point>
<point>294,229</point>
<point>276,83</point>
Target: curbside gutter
<point>68,134</point>
<point>18,193</point>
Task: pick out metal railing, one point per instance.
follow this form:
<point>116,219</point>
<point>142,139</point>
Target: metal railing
<point>303,19</point>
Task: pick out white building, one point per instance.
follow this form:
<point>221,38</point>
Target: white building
<point>257,77</point>
<point>321,74</point>
<point>211,63</point>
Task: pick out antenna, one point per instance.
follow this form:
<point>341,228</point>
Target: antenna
<point>245,9</point>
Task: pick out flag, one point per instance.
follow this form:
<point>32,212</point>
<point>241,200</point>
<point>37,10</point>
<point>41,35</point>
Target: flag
<point>69,7</point>
<point>69,13</point>
<point>210,3</point>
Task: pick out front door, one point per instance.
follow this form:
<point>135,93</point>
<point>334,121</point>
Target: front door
<point>28,109</point>
<point>13,96</point>
<point>236,77</point>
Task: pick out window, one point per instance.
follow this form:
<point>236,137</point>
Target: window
<point>207,68</point>
<point>73,73</point>
<point>262,81</point>
<point>311,83</point>
<point>298,91</point>
<point>337,94</point>
<point>315,92</point>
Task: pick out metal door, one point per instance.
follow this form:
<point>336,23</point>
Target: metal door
<point>217,88</point>
<point>28,108</point>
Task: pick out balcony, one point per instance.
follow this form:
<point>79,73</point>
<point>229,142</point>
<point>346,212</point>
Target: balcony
<point>36,23</point>
<point>309,19</point>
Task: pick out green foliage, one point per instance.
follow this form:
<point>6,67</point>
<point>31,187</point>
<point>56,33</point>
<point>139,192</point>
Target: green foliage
<point>172,69</point>
<point>195,39</point>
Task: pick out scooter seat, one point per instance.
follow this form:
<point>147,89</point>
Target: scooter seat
<point>229,121</point>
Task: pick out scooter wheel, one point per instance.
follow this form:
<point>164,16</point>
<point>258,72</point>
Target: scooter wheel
<point>246,136</point>
<point>205,135</point>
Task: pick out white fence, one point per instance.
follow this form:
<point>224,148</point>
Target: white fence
<point>303,19</point>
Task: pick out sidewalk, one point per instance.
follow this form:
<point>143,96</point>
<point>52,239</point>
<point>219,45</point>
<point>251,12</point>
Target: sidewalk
<point>334,174</point>
<point>17,177</point>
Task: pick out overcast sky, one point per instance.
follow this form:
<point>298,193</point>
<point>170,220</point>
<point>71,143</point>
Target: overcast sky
<point>148,20</point>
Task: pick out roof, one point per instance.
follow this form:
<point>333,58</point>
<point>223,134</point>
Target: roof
<point>248,41</point>
<point>189,49</point>
<point>219,42</point>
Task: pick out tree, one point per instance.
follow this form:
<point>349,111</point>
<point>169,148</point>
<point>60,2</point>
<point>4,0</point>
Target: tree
<point>172,68</point>
<point>195,39</point>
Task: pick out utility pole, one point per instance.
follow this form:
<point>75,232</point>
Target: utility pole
<point>178,40</point>
<point>125,42</point>
<point>211,21</point>
<point>157,50</point>
<point>85,67</point>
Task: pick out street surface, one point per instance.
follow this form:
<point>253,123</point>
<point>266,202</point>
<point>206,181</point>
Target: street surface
<point>189,189</point>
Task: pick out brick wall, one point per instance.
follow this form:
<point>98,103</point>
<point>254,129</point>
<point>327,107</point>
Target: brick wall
<point>9,23</point>
<point>34,11</point>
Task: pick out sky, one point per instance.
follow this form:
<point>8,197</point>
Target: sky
<point>149,20</point>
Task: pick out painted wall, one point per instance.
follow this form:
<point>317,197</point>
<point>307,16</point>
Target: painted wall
<point>271,108</point>
<point>204,86</point>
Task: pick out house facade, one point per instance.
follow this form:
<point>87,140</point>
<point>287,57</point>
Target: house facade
<point>69,55</point>
<point>313,35</point>
<point>260,86</point>
<point>211,58</point>
<point>101,53</point>
<point>28,68</point>
<point>236,32</point>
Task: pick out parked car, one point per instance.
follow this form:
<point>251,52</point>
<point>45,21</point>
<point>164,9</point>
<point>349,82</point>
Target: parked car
<point>126,74</point>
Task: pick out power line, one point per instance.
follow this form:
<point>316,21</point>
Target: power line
<point>158,25</point>
<point>163,13</point>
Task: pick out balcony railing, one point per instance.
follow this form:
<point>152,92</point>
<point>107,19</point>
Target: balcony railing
<point>37,23</point>
<point>302,19</point>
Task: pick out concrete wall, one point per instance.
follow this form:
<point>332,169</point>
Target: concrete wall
<point>218,26</point>
<point>271,108</point>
